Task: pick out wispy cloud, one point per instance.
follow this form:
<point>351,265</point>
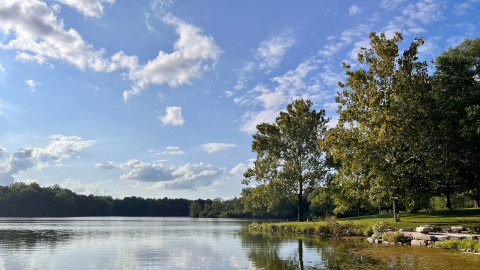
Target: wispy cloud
<point>89,8</point>
<point>354,10</point>
<point>215,147</point>
<point>270,52</point>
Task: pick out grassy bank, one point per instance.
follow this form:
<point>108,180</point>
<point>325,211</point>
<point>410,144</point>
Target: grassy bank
<point>363,225</point>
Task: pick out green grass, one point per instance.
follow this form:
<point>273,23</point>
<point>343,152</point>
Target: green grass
<point>362,225</point>
<point>466,244</point>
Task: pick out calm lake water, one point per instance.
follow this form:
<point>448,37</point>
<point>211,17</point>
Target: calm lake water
<point>184,243</point>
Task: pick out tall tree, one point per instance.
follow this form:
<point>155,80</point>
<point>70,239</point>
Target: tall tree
<point>288,158</point>
<point>375,139</point>
<point>455,120</point>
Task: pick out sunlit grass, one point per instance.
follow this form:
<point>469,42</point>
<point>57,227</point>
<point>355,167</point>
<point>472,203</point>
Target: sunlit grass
<point>362,225</point>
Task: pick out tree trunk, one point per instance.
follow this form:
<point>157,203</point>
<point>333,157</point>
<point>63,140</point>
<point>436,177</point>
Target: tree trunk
<point>395,217</point>
<point>476,197</point>
<point>358,209</point>
<point>299,204</point>
<point>300,253</point>
<point>448,202</point>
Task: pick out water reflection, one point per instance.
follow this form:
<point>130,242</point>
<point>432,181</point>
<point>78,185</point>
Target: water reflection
<point>31,239</point>
<point>183,243</point>
<point>274,251</point>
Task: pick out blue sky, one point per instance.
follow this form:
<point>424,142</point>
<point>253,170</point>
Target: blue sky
<point>160,98</point>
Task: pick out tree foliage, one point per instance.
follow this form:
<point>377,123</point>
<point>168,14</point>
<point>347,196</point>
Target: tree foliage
<point>288,159</point>
<point>375,139</point>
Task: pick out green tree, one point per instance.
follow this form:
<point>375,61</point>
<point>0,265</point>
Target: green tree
<point>376,138</point>
<point>195,209</point>
<point>288,159</point>
<point>454,127</point>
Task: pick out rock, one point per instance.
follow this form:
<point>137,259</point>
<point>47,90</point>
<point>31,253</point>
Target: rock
<point>405,230</point>
<point>416,242</point>
<point>445,230</point>
<point>371,240</point>
<point>457,237</point>
<point>421,236</point>
<point>457,229</point>
<point>423,229</point>
<point>378,241</point>
<point>441,237</point>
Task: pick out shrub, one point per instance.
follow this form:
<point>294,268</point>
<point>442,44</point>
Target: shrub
<point>379,228</point>
<point>392,236</point>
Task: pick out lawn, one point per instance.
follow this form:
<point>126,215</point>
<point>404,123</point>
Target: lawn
<point>362,225</point>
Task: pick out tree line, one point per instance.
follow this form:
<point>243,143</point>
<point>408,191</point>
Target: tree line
<point>407,132</point>
<point>30,200</point>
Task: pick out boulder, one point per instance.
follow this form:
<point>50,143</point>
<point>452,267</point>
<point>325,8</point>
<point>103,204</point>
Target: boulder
<point>421,236</point>
<point>423,229</point>
<point>417,242</point>
<point>457,229</point>
<point>371,240</point>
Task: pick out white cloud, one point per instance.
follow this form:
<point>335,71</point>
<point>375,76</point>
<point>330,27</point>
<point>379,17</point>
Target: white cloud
<point>92,188</point>
<point>270,52</point>
<point>347,37</point>
<point>354,10</point>
<point>1,67</point>
<point>173,116</point>
<point>170,150</point>
<point>239,169</point>
<point>425,11</point>
<point>215,147</point>
<point>429,46</point>
<point>193,54</point>
<point>59,148</point>
<point>3,151</point>
<point>464,8</point>
<point>31,84</point>
<point>39,36</point>
<point>390,4</point>
<point>148,172</point>
<point>269,101</point>
<point>229,93</point>
<point>191,176</point>
<point>106,165</point>
<point>188,176</point>
<point>89,8</point>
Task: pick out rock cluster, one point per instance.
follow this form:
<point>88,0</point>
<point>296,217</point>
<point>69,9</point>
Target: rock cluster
<point>426,235</point>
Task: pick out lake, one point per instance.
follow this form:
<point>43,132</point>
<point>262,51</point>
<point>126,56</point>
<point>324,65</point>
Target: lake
<point>185,243</point>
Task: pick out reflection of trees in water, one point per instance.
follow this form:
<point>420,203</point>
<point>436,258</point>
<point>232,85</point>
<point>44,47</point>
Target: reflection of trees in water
<point>263,250</point>
<point>29,239</point>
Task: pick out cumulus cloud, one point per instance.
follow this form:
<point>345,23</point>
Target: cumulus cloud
<point>215,147</point>
<point>239,169</point>
<point>148,172</point>
<point>37,35</point>
<point>173,116</point>
<point>59,148</point>
<point>106,165</point>
<point>191,176</point>
<point>354,10</point>
<point>3,151</point>
<point>270,52</point>
<point>172,150</point>
<point>89,8</point>
<point>188,176</point>
<point>193,54</point>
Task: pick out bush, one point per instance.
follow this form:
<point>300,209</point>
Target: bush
<point>379,228</point>
<point>392,236</point>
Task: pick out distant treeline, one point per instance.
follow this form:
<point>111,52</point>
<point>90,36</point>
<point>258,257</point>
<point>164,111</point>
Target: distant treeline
<point>31,200</point>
